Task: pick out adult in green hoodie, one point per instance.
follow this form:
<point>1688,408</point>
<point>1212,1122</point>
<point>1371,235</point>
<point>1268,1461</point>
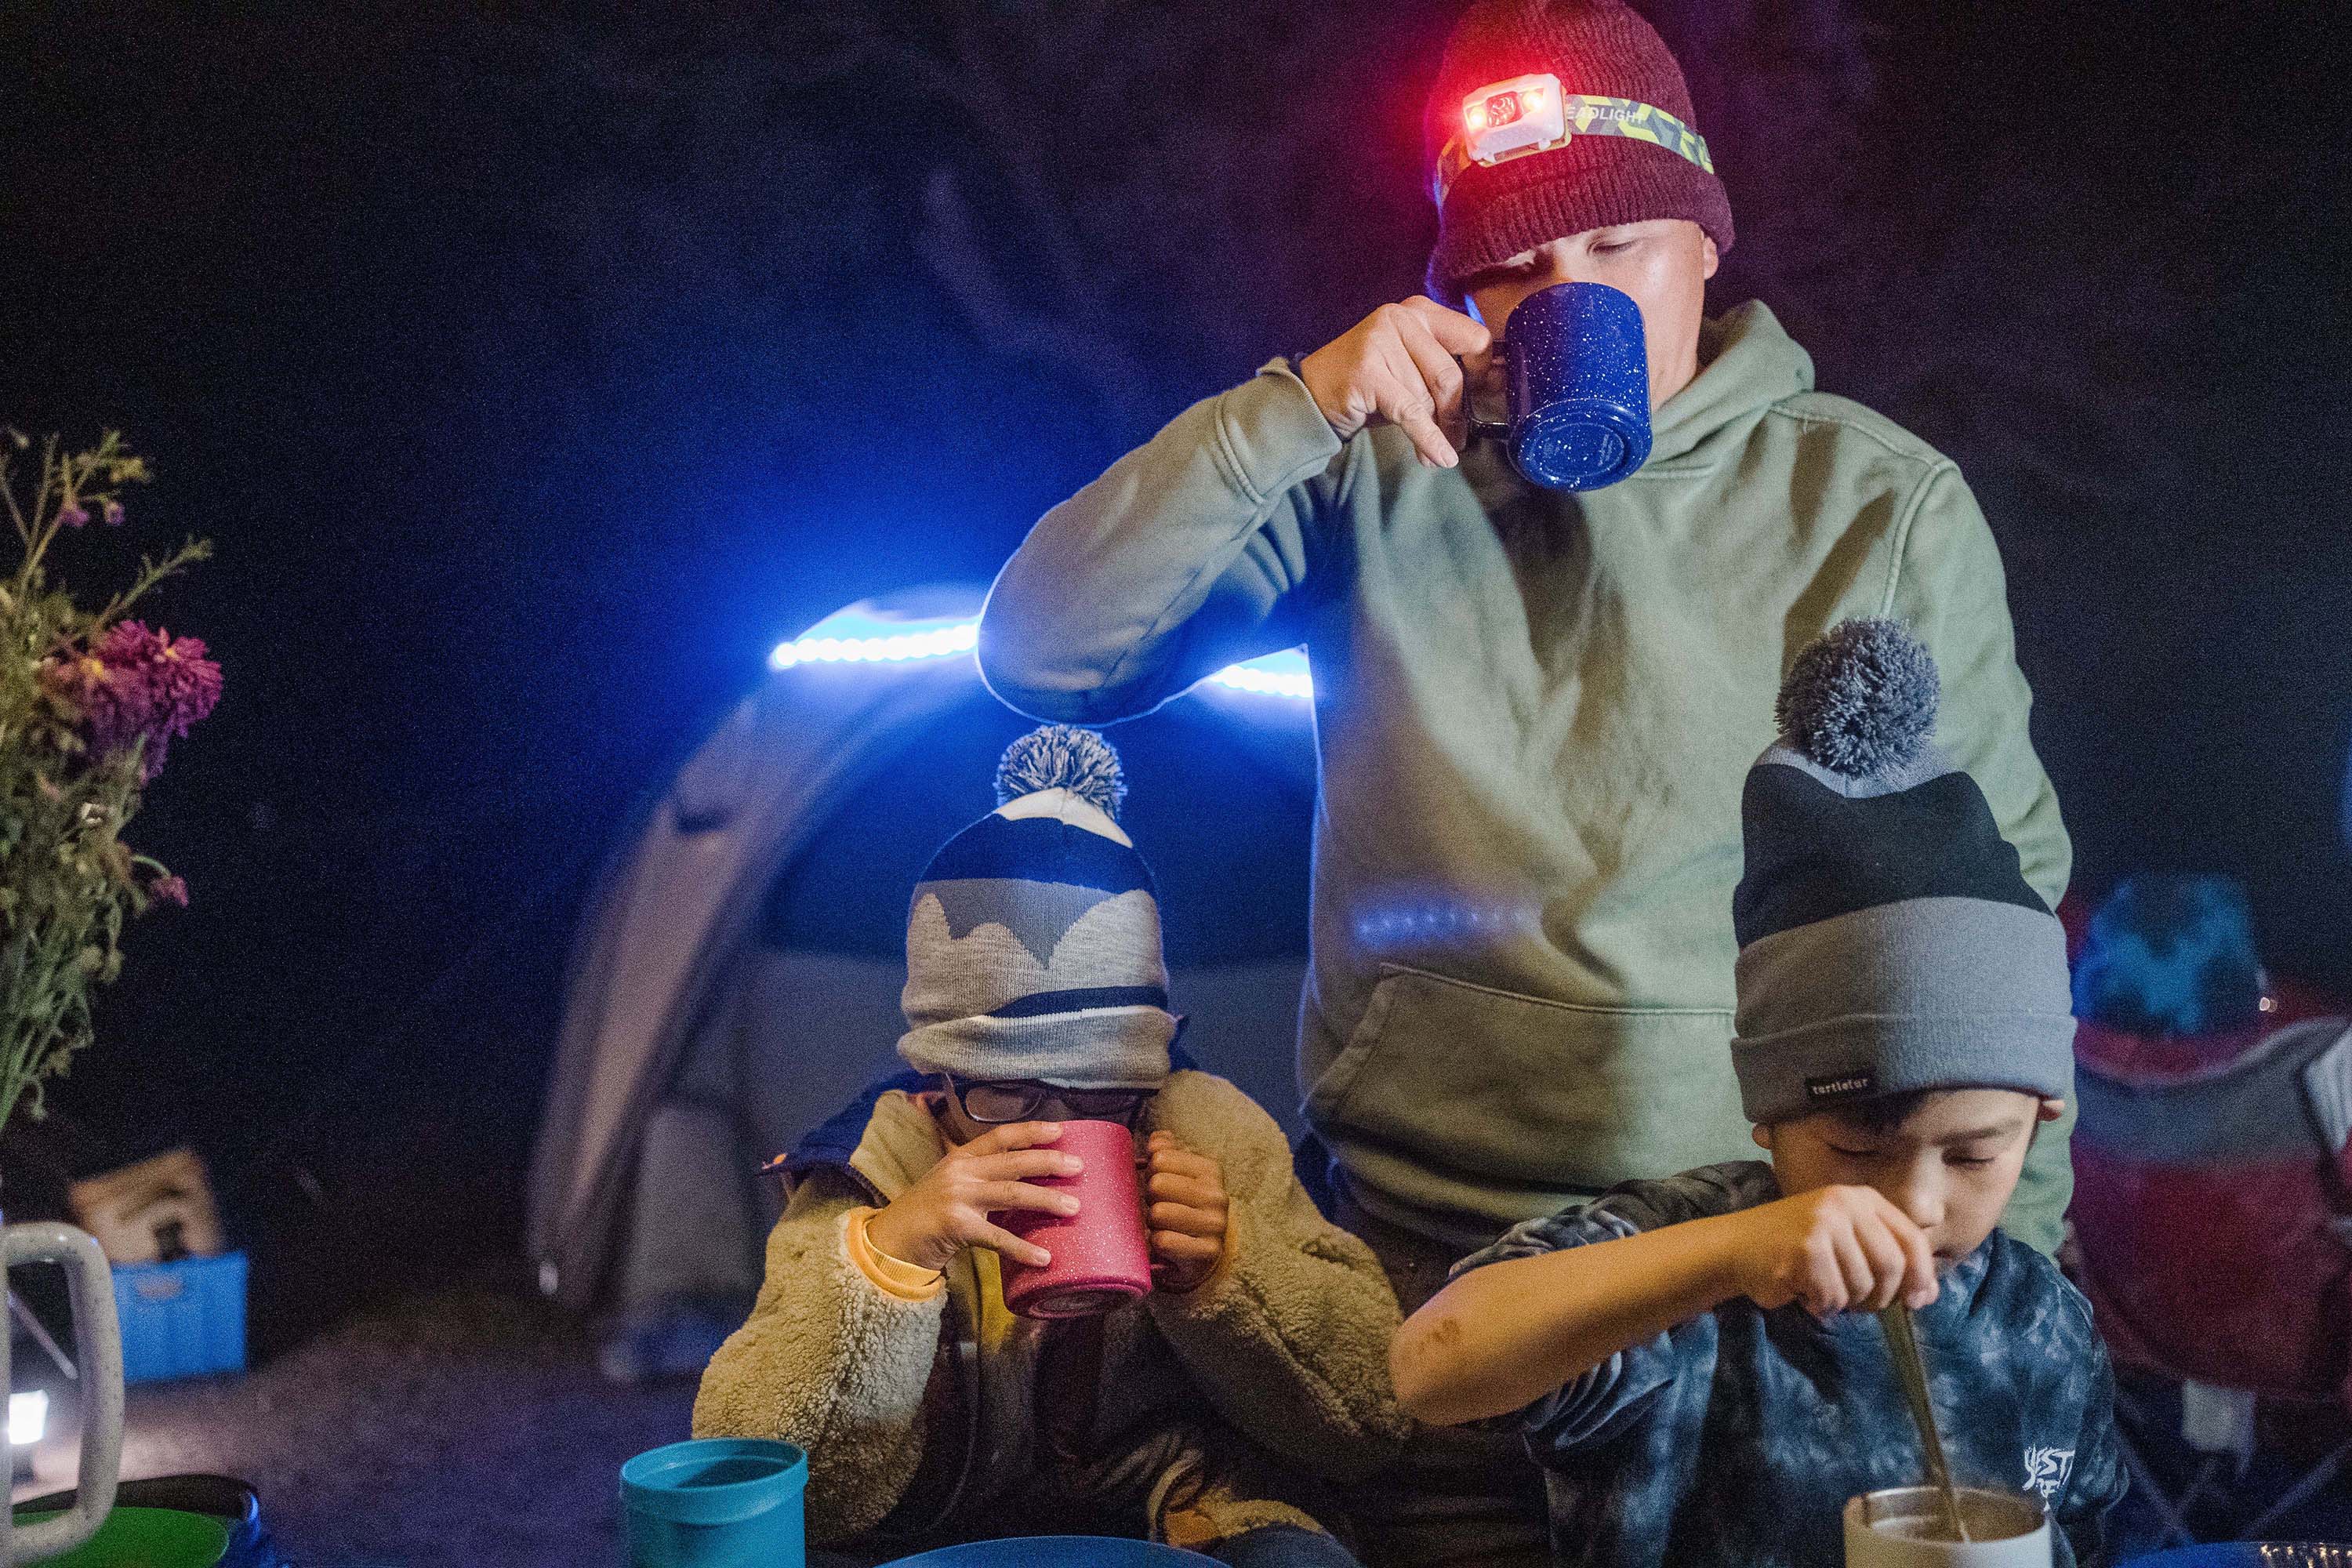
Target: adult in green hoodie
<point>1535,708</point>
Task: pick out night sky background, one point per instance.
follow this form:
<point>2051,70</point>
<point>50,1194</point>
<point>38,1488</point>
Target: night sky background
<point>536,368</point>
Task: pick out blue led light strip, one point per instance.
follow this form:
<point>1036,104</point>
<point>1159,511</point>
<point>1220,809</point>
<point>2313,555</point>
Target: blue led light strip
<point>841,640</point>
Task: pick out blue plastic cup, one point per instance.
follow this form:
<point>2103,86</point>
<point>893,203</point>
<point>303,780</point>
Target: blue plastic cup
<point>1576,371</point>
<point>716,1502</point>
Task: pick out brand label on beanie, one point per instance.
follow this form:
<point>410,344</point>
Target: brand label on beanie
<point>1841,1086</point>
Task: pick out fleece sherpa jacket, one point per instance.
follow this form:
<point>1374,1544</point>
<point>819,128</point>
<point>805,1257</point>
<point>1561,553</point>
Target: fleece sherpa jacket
<point>924,1418</point>
<point>1535,711</point>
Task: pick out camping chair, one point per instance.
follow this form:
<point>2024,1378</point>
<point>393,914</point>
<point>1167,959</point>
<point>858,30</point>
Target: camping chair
<point>2214,1236</point>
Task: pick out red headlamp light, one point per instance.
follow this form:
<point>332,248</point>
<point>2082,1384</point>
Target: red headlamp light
<point>1510,118</point>
<point>1527,114</point>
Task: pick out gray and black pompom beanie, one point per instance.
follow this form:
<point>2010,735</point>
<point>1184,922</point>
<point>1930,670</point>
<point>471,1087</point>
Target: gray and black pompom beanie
<point>1032,943</point>
<point>1888,941</point>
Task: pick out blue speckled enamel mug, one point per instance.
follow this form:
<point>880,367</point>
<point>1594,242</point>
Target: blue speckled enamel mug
<point>1576,371</point>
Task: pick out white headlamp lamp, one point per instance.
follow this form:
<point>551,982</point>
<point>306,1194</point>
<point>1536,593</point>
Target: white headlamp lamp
<point>1529,115</point>
<point>1512,119</point>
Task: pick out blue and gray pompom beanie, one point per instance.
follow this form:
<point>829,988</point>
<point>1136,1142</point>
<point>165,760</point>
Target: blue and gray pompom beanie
<point>1033,941</point>
<point>1888,941</point>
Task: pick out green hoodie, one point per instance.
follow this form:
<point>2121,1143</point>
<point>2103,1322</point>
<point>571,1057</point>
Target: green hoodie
<point>1535,711</point>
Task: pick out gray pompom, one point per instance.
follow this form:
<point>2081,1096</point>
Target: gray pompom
<point>1861,699</point>
<point>1063,756</point>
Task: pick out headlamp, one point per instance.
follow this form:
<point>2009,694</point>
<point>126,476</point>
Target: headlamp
<point>1528,114</point>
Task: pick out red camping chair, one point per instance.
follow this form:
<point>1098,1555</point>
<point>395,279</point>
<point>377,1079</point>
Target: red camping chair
<point>2212,1222</point>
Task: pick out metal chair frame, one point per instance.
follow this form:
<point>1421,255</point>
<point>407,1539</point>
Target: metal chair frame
<point>2174,1512</point>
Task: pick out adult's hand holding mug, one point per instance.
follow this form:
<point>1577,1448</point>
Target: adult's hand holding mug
<point>1402,365</point>
<point>1575,366</point>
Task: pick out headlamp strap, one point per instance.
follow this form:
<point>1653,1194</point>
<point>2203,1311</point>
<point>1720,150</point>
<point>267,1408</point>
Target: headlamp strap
<point>1584,115</point>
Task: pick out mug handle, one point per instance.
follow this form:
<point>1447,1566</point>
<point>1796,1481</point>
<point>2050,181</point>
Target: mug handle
<point>98,1355</point>
<point>1489,429</point>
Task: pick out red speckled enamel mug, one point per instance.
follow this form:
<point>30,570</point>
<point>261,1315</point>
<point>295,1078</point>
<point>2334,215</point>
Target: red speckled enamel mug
<point>1100,1258</point>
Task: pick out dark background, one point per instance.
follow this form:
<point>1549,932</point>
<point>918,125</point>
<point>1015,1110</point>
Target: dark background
<point>536,369</point>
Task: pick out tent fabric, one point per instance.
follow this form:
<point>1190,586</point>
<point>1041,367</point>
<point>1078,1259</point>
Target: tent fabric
<point>737,974</point>
<point>699,871</point>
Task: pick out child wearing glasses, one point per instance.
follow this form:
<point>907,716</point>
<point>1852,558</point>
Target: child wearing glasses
<point>1205,1415</point>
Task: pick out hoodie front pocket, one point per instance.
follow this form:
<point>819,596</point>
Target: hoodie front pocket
<point>1530,1092</point>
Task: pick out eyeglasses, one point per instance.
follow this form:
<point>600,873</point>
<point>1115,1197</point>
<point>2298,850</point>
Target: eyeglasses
<point>995,1102</point>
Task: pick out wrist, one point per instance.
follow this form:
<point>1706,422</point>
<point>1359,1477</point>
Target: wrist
<point>889,1235</point>
<point>1190,1276</point>
<point>1340,426</point>
<point>1727,1269</point>
<point>891,1276</point>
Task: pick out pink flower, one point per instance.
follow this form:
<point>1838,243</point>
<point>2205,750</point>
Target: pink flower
<point>169,890</point>
<point>72,515</point>
<point>112,515</point>
<point>139,685</point>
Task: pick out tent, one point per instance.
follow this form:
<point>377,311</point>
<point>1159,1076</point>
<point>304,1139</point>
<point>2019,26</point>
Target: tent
<point>737,975</point>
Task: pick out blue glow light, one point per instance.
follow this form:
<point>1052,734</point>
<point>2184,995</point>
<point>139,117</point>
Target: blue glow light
<point>1403,921</point>
<point>859,639</point>
<point>1282,674</point>
<point>852,637</point>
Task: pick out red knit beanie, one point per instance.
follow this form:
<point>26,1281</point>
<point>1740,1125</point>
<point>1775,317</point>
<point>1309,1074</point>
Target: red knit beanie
<point>1598,47</point>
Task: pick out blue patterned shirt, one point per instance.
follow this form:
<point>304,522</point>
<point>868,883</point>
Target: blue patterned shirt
<point>1735,1439</point>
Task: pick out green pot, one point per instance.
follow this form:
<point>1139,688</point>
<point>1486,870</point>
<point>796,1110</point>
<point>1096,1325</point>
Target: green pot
<point>146,1538</point>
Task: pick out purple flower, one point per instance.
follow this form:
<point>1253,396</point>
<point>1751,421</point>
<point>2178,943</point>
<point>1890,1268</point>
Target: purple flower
<point>169,890</point>
<point>139,685</point>
<point>112,515</point>
<point>71,514</point>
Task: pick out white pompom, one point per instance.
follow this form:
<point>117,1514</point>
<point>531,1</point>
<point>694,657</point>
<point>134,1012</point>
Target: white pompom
<point>1063,756</point>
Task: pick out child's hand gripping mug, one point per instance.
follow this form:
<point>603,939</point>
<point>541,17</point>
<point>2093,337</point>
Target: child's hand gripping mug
<point>1100,1258</point>
<point>1576,378</point>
